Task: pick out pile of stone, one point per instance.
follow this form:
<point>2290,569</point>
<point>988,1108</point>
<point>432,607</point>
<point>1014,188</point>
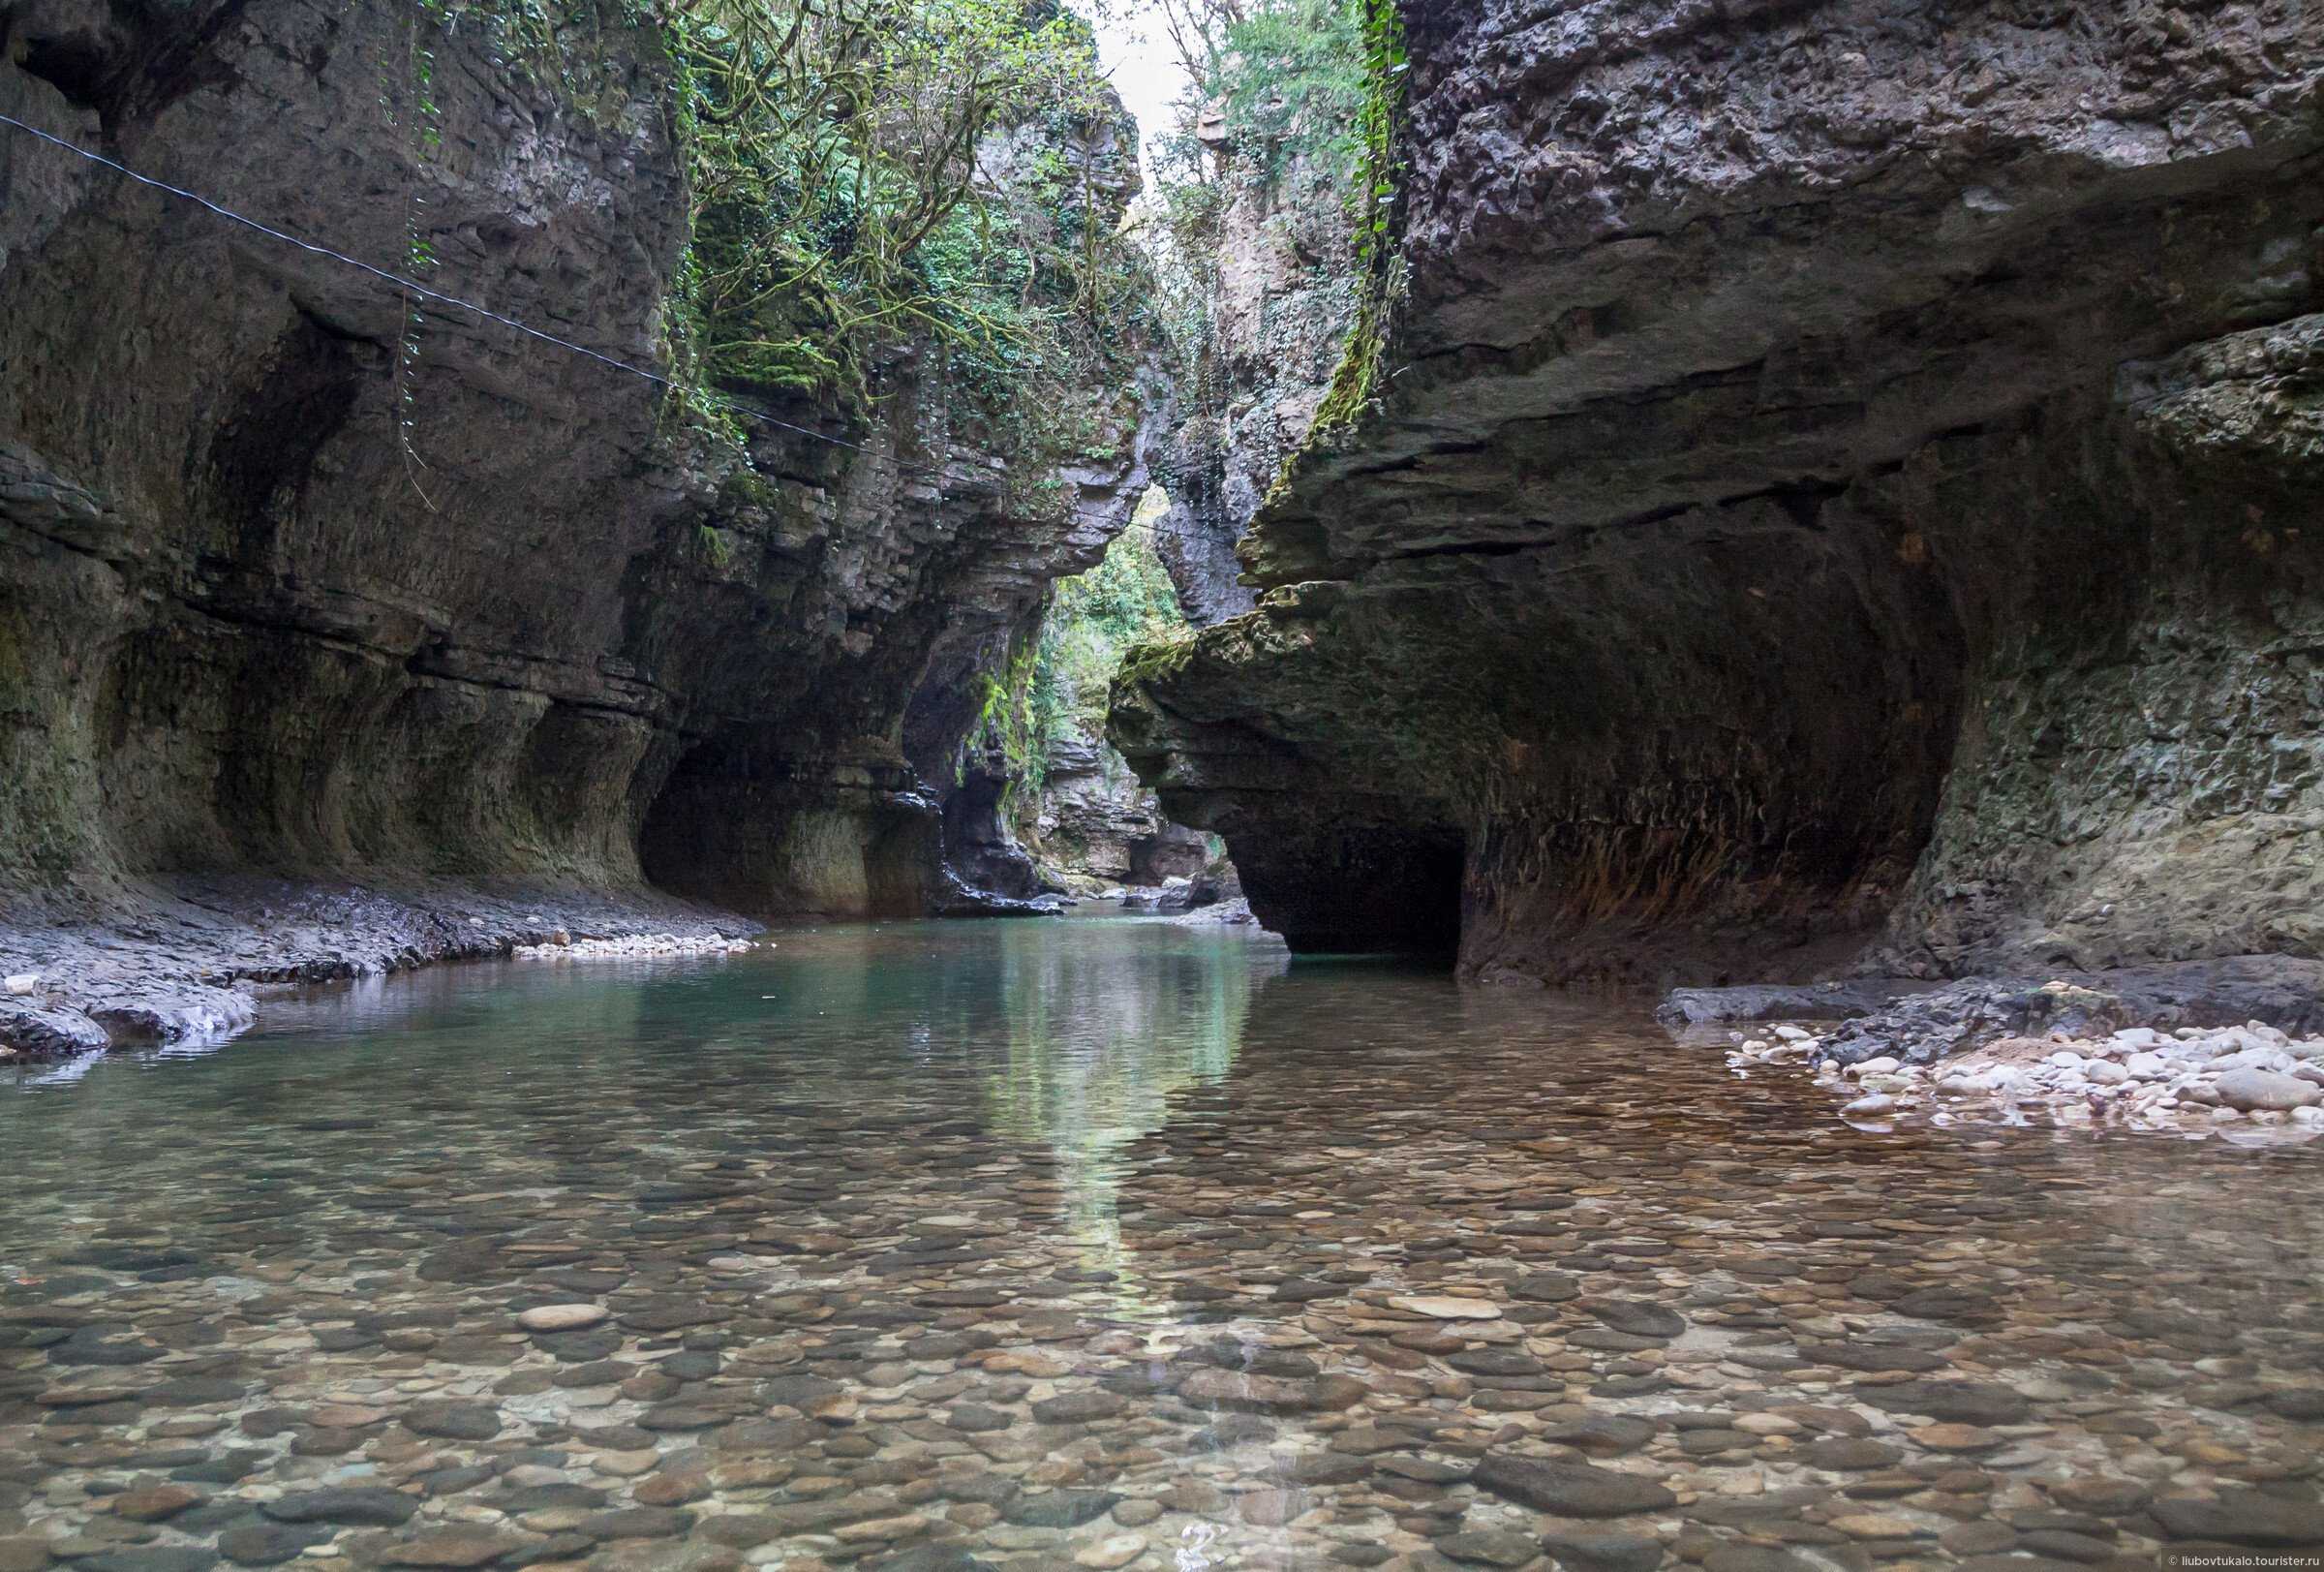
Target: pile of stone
<point>563,946</point>
<point>2249,1080</point>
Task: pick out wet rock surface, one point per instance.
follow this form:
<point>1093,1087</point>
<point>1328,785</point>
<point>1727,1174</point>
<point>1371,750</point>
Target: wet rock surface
<point>1921,1023</point>
<point>1309,1267</point>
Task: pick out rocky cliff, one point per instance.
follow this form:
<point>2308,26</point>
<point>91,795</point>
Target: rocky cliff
<point>1845,476</point>
<point>1098,826</point>
<point>1262,232</point>
<point>564,633</point>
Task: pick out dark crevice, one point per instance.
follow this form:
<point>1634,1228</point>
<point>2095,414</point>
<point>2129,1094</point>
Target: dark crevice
<point>73,67</point>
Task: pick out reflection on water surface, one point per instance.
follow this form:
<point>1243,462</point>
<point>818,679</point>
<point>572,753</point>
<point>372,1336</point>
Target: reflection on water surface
<point>1107,1243</point>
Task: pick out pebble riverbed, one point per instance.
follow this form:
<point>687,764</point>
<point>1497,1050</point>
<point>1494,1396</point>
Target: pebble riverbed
<point>1107,1244</point>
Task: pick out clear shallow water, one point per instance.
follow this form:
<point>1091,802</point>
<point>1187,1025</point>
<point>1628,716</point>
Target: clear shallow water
<point>1108,1243</point>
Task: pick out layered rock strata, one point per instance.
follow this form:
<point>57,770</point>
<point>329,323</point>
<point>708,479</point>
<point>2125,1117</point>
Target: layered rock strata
<point>1845,476</point>
<point>307,579</point>
<point>1098,825</point>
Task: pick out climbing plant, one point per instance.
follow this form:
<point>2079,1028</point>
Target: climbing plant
<point>869,172</point>
<point>866,177</point>
<point>1380,278</point>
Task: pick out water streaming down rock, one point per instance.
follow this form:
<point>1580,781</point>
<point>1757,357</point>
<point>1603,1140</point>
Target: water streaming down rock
<point>1844,475</point>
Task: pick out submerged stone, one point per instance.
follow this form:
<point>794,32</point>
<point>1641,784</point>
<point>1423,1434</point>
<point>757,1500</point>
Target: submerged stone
<point>1573,1490</point>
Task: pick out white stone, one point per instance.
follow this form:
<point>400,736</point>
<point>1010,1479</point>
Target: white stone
<point>1871,1107</point>
<point>23,983</point>
<point>562,1317</point>
<point>1445,1307</point>
<point>1792,1034</point>
<point>2066,1058</point>
<point>2255,1088</point>
<point>2105,1073</point>
<point>1118,1550</point>
<point>2147,1066</point>
<point>1875,1066</point>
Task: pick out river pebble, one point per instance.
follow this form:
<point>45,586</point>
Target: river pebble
<point>2249,1084</point>
<point>1264,1283</point>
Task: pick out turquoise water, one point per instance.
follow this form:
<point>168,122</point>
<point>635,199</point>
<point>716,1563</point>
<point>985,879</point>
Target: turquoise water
<point>1107,1242</point>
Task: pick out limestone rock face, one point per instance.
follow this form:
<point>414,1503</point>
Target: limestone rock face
<point>1847,475</point>
<point>564,635</point>
<point>1279,279</point>
<point>1098,822</point>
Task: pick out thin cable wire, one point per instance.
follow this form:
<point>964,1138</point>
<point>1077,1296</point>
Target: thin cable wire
<point>400,282</point>
<point>421,290</point>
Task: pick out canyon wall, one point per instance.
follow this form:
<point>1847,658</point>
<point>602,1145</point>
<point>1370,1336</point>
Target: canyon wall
<point>271,602</point>
<point>1844,487</point>
<point>1267,250</point>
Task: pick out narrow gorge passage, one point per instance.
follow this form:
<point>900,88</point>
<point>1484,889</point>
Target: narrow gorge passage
<point>1000,786</point>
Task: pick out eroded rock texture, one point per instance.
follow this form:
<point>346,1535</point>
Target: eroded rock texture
<point>1848,474</point>
<point>1098,823</point>
<point>566,637</point>
<point>1279,280</point>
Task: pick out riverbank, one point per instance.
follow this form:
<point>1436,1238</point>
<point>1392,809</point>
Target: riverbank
<point>189,960</point>
<point>2192,1048</point>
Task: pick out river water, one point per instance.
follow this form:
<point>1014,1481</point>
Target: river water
<point>1108,1243</point>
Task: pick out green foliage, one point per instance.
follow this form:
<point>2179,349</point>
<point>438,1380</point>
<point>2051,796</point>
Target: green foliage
<point>1356,382</point>
<point>867,178</point>
<point>1056,684</point>
<point>1125,599</point>
<point>1006,720</point>
<point>1289,76</point>
<point>871,172</point>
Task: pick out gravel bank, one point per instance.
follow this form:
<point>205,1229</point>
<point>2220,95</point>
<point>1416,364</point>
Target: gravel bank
<point>189,960</point>
<point>2250,1083</point>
